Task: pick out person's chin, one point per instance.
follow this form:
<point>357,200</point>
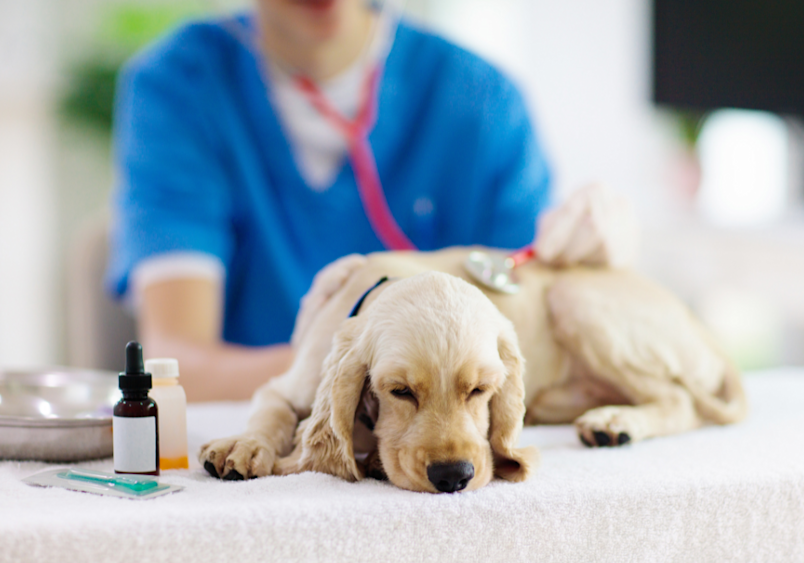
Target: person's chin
<point>318,6</point>
<point>323,17</point>
<point>320,10</point>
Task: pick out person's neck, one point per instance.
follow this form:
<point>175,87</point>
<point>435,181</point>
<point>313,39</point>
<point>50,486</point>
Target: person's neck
<point>323,60</point>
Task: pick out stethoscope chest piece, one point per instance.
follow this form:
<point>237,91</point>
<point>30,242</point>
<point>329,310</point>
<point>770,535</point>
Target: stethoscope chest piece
<point>494,270</point>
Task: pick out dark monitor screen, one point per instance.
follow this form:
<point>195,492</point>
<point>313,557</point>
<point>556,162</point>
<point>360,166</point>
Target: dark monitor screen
<point>747,54</point>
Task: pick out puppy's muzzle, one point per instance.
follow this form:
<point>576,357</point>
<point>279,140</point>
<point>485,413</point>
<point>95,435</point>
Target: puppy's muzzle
<point>450,477</point>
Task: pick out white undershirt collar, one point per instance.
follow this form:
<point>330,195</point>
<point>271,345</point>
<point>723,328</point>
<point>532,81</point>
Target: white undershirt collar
<point>318,147</point>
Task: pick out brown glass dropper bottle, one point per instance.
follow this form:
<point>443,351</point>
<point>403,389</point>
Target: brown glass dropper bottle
<point>135,423</point>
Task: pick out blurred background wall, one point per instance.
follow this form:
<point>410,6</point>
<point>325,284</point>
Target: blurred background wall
<point>585,68</point>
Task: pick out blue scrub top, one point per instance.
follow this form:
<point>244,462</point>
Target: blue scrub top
<point>203,166</point>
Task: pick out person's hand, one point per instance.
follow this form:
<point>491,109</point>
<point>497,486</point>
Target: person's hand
<point>596,226</point>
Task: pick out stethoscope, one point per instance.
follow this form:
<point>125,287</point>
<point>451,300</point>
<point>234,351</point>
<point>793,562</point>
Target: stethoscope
<point>361,156</point>
<point>494,270</point>
<point>356,130</point>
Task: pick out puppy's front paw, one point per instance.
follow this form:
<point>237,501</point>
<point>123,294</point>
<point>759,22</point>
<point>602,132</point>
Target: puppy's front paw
<point>238,458</point>
<point>607,426</point>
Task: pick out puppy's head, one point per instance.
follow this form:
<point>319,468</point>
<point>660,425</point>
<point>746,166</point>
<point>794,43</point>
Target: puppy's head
<point>441,371</point>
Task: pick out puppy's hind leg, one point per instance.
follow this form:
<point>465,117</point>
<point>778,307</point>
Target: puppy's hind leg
<point>671,411</point>
<point>644,343</point>
<point>564,402</point>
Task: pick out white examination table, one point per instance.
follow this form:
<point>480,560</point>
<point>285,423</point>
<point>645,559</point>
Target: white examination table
<point>718,494</point>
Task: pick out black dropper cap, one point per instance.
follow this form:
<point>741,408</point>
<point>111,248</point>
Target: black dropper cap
<point>134,378</point>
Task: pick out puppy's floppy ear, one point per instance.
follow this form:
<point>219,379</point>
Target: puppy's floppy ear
<point>326,443</point>
<point>507,413</point>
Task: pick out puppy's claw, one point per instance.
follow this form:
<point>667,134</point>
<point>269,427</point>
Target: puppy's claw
<point>623,438</point>
<point>602,439</point>
<point>238,458</point>
<point>586,442</point>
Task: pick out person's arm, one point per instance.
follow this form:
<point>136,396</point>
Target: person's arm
<point>174,198</point>
<point>182,319</point>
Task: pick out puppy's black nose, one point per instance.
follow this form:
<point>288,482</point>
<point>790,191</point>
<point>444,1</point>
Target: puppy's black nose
<point>450,477</point>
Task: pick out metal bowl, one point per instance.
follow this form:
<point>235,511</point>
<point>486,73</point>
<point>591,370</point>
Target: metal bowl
<point>57,414</point>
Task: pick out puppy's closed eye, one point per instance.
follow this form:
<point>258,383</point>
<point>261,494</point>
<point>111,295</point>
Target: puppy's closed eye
<point>476,392</point>
<point>406,394</point>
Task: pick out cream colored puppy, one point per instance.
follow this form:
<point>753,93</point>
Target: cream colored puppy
<point>436,370</point>
<point>427,385</point>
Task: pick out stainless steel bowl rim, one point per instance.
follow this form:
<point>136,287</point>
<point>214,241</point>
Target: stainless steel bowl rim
<point>56,414</point>
<point>55,378</point>
<point>28,422</point>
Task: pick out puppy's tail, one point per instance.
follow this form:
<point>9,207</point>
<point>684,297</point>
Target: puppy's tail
<point>325,284</point>
<point>728,405</point>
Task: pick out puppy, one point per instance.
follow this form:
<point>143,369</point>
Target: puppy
<point>426,383</point>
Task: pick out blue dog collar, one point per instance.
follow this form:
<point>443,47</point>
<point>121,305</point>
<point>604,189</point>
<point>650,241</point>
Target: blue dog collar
<point>356,308</point>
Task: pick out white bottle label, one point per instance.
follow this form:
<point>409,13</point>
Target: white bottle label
<point>134,444</point>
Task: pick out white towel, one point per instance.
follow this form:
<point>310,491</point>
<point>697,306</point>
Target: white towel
<point>718,494</point>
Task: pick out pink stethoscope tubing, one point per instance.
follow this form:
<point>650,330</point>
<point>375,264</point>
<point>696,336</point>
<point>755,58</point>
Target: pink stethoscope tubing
<point>362,157</point>
<point>519,257</point>
<point>365,167</point>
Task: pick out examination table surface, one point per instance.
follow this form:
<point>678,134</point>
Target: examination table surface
<point>719,494</point>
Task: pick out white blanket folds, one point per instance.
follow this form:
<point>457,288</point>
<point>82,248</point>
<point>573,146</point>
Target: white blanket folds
<point>718,494</point>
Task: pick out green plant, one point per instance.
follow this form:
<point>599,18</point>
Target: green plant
<point>123,31</point>
<point>689,124</point>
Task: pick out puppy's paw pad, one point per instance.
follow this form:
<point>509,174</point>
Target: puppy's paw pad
<point>238,458</point>
<point>605,427</point>
<point>210,467</point>
<point>233,475</point>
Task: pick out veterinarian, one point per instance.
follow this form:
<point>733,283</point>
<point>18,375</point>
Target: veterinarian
<point>243,147</point>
